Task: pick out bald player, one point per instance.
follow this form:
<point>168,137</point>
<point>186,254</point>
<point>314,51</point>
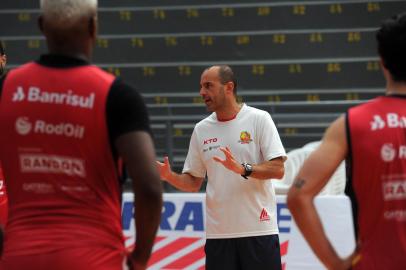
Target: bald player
<point>64,124</point>
<point>239,149</point>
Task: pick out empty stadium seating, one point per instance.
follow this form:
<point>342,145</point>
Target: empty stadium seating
<point>305,62</point>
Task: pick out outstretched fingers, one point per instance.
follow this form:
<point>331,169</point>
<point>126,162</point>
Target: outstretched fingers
<point>217,159</point>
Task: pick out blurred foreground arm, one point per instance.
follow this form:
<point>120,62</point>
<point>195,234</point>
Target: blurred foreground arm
<point>312,177</point>
<point>137,150</point>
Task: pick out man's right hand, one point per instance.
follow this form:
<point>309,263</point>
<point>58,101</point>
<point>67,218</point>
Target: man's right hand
<point>184,181</point>
<point>164,168</point>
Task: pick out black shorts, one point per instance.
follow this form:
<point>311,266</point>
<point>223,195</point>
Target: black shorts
<point>245,253</point>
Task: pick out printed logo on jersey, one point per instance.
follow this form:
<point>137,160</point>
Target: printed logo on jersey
<point>43,163</point>
<point>68,98</point>
<point>24,127</point>
<point>38,188</point>
<point>2,187</point>
<point>208,141</point>
<point>18,95</point>
<point>245,137</point>
<point>211,147</point>
<point>394,190</point>
<point>389,153</point>
<point>214,147</point>
<point>391,120</point>
<point>264,215</point>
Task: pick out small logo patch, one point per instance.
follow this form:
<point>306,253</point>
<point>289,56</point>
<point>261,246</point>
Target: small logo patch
<point>264,215</point>
<point>245,137</point>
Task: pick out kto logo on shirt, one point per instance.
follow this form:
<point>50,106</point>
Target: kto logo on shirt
<point>24,127</point>
<point>35,94</point>
<point>245,137</point>
<point>43,163</point>
<point>212,140</point>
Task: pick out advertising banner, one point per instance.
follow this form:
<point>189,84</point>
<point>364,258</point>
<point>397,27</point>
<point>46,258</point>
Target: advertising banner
<point>181,237</point>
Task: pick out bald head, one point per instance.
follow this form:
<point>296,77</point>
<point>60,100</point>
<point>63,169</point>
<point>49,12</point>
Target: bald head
<point>65,13</point>
<point>70,26</point>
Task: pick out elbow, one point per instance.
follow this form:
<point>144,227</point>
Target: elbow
<point>294,203</point>
<point>297,201</point>
<point>195,188</point>
<point>279,173</point>
<point>291,201</point>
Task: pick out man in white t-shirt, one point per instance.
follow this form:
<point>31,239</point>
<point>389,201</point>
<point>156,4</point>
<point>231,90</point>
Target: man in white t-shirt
<point>239,149</point>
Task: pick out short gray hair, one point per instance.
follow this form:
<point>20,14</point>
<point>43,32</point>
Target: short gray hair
<point>226,75</point>
<point>65,13</point>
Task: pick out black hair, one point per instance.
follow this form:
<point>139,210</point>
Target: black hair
<point>2,49</point>
<point>391,38</point>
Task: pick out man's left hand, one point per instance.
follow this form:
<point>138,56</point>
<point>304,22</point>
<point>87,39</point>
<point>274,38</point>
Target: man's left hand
<point>230,163</point>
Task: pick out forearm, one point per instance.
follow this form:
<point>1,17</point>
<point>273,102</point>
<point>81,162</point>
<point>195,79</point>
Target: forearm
<point>267,170</point>
<point>309,223</point>
<point>184,182</point>
<point>148,209</point>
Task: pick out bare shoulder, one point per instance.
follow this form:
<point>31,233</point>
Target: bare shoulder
<point>337,128</point>
<point>335,138</point>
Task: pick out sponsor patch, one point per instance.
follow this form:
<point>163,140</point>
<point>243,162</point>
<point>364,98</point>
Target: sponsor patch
<point>42,163</point>
<point>394,190</point>
<point>68,98</point>
<point>24,126</point>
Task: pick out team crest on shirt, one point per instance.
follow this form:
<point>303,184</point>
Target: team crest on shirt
<point>245,137</point>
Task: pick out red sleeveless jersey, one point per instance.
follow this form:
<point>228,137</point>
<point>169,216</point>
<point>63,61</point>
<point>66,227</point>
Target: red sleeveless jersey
<point>378,147</point>
<point>61,175</point>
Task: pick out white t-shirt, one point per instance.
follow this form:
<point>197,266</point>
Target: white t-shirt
<point>236,207</point>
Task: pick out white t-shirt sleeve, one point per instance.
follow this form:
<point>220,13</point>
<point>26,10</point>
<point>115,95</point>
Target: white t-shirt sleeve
<point>193,163</point>
<point>270,142</point>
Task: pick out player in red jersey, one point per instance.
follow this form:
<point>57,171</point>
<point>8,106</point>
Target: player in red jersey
<point>373,138</point>
<point>3,205</point>
<point>3,195</point>
<point>64,124</point>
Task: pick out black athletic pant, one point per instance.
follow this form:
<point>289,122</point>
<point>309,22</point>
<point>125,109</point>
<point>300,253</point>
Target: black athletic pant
<point>245,253</point>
